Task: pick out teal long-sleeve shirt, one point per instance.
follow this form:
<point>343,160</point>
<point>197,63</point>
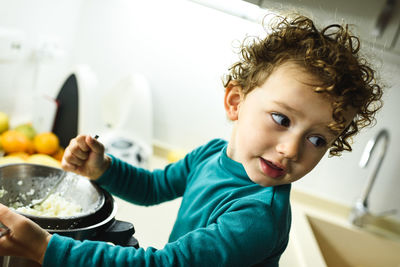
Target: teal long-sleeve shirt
<point>225,219</point>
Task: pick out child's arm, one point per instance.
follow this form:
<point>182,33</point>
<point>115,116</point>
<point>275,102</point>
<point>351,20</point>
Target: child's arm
<point>85,156</point>
<point>144,187</point>
<point>25,239</point>
<point>227,242</point>
<point>141,186</point>
<point>235,239</point>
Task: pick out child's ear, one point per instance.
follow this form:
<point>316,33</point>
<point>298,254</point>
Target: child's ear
<point>233,97</point>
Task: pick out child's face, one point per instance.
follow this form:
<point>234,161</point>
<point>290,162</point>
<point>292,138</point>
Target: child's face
<point>280,129</point>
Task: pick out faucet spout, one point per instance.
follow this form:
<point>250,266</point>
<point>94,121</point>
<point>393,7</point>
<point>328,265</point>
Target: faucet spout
<point>360,209</point>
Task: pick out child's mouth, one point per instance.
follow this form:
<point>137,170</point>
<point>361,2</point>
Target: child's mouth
<point>270,169</point>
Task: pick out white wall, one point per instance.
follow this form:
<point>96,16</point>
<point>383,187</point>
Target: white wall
<point>183,49</point>
<point>39,22</point>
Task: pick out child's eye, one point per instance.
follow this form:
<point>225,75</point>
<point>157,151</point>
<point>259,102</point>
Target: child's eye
<point>317,141</point>
<point>281,119</point>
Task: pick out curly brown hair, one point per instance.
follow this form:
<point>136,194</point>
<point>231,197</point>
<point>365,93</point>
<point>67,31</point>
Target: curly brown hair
<point>331,55</point>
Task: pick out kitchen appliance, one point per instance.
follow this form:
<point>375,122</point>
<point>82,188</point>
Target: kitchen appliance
<point>127,148</point>
<point>98,226</point>
<point>122,116</point>
<point>128,115</point>
<point>25,183</point>
<point>78,105</point>
<point>66,120</point>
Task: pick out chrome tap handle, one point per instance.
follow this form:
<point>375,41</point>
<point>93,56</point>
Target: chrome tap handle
<point>370,147</point>
<point>359,213</point>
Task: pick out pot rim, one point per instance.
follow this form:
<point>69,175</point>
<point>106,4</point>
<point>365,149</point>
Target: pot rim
<point>93,226</point>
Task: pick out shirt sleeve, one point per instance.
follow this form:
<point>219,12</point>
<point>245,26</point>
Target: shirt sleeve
<point>144,187</point>
<point>244,235</point>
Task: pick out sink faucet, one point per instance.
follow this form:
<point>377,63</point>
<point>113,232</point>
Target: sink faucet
<point>359,212</point>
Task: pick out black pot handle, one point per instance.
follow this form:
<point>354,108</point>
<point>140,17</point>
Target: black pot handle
<point>119,233</point>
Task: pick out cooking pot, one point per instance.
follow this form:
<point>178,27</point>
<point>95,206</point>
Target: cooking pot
<point>99,225</point>
<point>21,184</point>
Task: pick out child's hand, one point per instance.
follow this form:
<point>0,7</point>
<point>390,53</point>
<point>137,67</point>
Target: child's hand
<point>85,156</point>
<point>26,239</point>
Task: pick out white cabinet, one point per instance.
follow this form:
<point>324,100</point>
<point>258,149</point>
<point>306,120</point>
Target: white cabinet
<point>363,15</point>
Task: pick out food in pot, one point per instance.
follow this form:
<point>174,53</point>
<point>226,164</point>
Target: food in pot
<point>54,206</point>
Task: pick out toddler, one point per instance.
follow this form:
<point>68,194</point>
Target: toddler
<point>291,97</point>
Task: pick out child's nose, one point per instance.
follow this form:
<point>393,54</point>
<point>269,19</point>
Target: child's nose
<point>289,146</point>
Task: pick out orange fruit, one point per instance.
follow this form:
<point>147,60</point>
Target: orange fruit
<point>13,141</point>
<point>31,147</point>
<point>59,154</point>
<point>46,143</point>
